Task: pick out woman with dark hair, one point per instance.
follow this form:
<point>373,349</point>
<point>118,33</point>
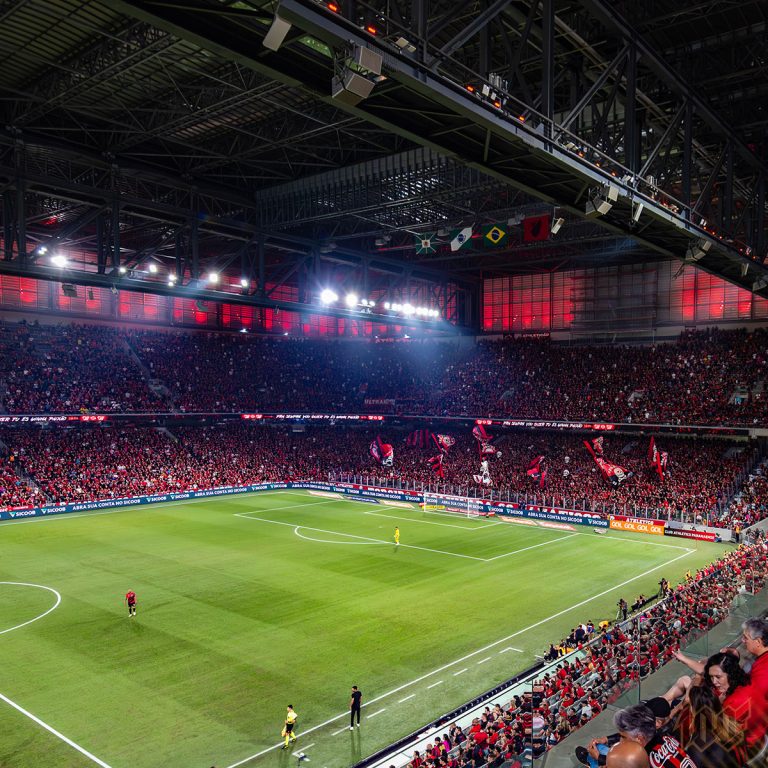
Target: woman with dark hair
<point>716,740</point>
<point>730,683</point>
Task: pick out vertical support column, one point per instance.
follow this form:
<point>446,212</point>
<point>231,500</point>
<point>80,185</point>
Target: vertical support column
<point>21,220</point>
<point>485,46</point>
<point>178,255</point>
<point>116,232</point>
<point>8,225</point>
<point>261,288</point>
<point>194,248</point>
<point>631,148</point>
<point>419,17</point>
<point>727,206</point>
<point>548,64</point>
<point>101,251</point>
<point>758,241</point>
<point>688,157</point>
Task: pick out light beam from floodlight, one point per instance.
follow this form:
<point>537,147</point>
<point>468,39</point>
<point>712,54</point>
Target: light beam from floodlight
<point>58,260</point>
<point>327,296</point>
<point>351,300</point>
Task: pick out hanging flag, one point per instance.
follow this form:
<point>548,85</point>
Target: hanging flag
<point>461,238</point>
<point>444,442</point>
<point>419,438</point>
<point>426,243</point>
<point>536,228</point>
<point>494,236</point>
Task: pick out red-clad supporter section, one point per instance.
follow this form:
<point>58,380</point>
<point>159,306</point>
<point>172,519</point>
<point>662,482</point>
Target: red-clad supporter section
<point>58,464</point>
<point>710,378</point>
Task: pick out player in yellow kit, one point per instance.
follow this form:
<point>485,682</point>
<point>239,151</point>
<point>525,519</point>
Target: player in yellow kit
<point>397,535</point>
<point>290,724</point>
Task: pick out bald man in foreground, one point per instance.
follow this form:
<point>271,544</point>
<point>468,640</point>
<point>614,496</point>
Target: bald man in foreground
<point>627,754</point>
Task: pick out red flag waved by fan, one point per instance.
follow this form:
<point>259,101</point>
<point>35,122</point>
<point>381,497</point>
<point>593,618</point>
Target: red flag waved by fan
<point>485,444</point>
<point>382,452</point>
<point>537,471</point>
<point>657,460</point>
<point>436,463</point>
<point>613,474</point>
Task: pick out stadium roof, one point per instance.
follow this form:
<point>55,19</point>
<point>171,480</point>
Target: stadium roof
<point>163,130</point>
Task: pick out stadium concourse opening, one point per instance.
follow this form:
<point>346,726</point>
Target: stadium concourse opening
<point>332,333</point>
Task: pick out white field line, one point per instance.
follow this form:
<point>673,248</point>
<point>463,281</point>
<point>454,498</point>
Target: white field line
<point>434,685</point>
<point>341,730</point>
<point>425,522</point>
<point>482,661</point>
<point>400,701</point>
<point>533,546</point>
<point>510,648</point>
<point>21,709</point>
<point>297,753</point>
<point>131,508</point>
<point>460,672</point>
<point>470,655</point>
<point>249,516</point>
<point>471,527</point>
<point>378,712</point>
<point>375,542</point>
<point>637,541</point>
<point>37,618</point>
<point>56,733</point>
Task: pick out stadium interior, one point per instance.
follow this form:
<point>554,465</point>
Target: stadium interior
<point>457,264</point>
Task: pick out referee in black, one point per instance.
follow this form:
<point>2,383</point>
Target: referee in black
<point>354,707</point>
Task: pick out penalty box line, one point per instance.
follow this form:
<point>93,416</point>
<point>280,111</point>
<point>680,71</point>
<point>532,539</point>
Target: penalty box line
<point>519,632</point>
<point>56,733</point>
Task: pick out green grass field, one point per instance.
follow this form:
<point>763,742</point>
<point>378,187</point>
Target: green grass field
<point>249,603</point>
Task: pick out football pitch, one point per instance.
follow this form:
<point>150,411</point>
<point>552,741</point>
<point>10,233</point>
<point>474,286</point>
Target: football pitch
<point>252,602</point>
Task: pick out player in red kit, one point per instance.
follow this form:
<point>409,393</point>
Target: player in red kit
<point>130,601</point>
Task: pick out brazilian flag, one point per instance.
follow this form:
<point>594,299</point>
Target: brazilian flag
<point>494,236</point>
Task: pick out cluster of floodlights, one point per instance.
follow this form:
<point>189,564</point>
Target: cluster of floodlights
<point>329,296</point>
<point>409,309</point>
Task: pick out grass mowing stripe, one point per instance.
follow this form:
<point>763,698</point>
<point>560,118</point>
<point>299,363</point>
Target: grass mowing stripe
<point>56,733</point>
<point>470,655</point>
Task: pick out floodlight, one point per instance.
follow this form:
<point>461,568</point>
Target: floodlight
<point>152,267</point>
<point>351,300</point>
<point>327,296</point>
<point>408,309</point>
<point>122,270</point>
<point>556,226</point>
<point>760,283</point>
<point>387,305</point>
<point>243,282</point>
<point>42,250</point>
<point>601,200</point>
<point>58,260</point>
<point>213,277</point>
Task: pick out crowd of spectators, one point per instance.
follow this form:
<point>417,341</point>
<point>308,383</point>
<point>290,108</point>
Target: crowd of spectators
<point>78,464</point>
<point>603,660</point>
<point>709,377</point>
<point>750,505</point>
<point>70,368</point>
